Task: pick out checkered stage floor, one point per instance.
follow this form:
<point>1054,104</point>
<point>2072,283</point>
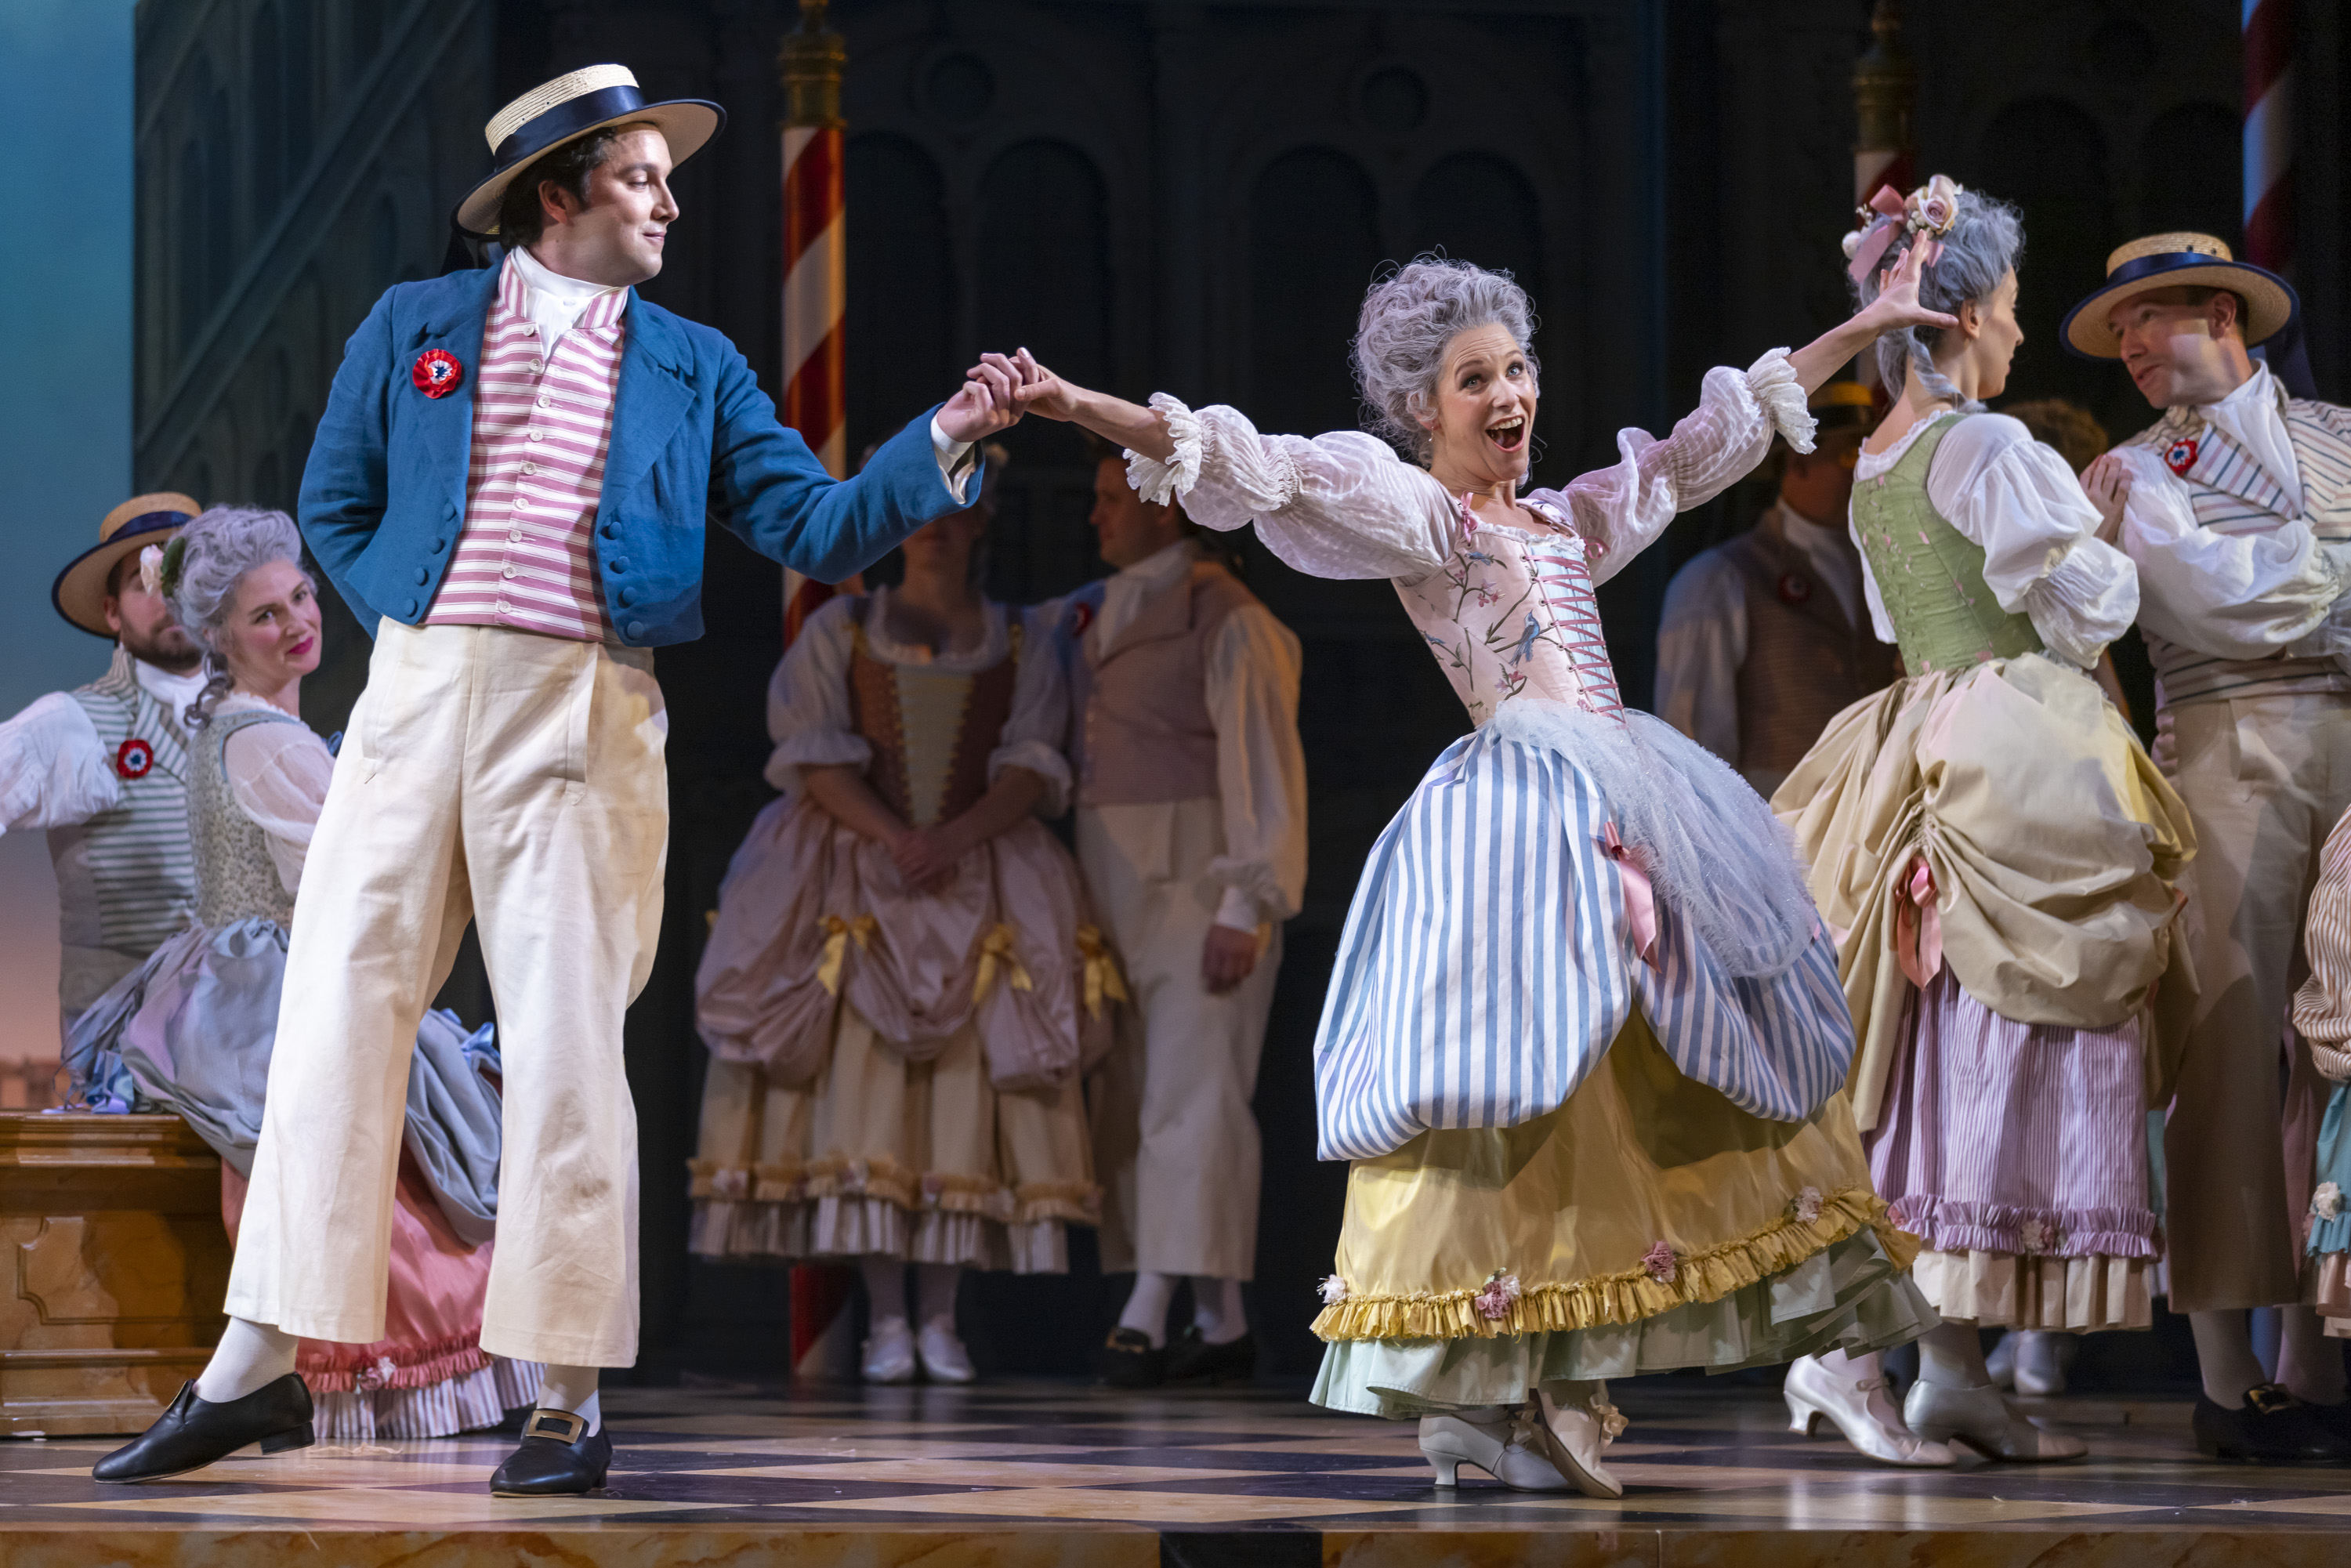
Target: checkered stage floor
<point>1109,1473</point>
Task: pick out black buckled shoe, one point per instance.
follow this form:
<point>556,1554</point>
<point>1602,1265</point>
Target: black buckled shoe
<point>1128,1359</point>
<point>2272,1429</point>
<point>1192,1359</point>
<point>195,1432</point>
<point>559,1457</point>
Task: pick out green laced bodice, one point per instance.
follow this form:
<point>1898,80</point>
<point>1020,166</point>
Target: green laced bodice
<point>1931,576</point>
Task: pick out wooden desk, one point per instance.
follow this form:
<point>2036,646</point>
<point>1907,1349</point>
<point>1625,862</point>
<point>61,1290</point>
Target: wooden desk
<point>113,1266</point>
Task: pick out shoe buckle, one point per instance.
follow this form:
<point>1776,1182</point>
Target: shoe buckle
<point>2271,1400</point>
<point>560,1425</point>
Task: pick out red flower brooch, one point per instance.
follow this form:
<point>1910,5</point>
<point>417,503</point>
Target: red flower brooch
<point>2180,458</point>
<point>1794,590</point>
<point>134,758</point>
<point>436,373</point>
<point>1081,615</point>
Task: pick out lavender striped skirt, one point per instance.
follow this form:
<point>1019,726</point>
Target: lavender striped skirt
<point>2027,1143</point>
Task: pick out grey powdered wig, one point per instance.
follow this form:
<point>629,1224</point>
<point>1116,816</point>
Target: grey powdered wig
<point>1408,317</point>
<point>218,549</point>
<point>1988,240</point>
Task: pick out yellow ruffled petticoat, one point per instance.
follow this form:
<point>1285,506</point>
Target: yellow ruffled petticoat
<point>1645,1226</point>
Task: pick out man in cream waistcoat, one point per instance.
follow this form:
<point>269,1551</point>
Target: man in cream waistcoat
<point>103,767</point>
<point>1192,835</point>
<point>2239,517</point>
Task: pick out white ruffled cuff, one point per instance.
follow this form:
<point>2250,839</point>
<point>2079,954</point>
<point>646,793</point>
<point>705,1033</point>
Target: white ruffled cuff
<point>1252,893</point>
<point>1046,762</point>
<point>1773,382</point>
<point>2082,604</point>
<point>815,748</point>
<point>1158,483</point>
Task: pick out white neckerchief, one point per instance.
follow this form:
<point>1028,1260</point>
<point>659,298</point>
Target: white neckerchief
<point>552,301</point>
<point>1125,594</point>
<point>1833,558</point>
<point>174,692</point>
<point>2254,416</point>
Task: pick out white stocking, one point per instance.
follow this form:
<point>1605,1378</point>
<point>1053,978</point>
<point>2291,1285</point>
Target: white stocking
<point>250,1355</point>
<point>2224,1356</point>
<point>1146,1309</point>
<point>573,1390</point>
<point>934,1290</point>
<point>885,1287</point>
<point>1217,1310</point>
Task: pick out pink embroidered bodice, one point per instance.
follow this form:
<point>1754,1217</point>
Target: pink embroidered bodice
<point>1511,613</point>
<point>1508,613</point>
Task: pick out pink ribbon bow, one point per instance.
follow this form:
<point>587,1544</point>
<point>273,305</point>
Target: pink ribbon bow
<point>1892,212</point>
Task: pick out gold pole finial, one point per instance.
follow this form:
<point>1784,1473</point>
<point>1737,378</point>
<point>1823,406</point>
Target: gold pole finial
<point>810,65</point>
<point>1885,84</point>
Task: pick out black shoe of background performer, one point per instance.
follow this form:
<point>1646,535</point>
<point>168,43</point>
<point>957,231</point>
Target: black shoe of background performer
<point>1192,1359</point>
<point>1128,1359</point>
<point>559,1457</point>
<point>2274,1428</point>
<point>195,1432</point>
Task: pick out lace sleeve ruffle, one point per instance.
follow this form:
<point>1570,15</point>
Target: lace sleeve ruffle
<point>1773,380</point>
<point>1338,506</point>
<point>1623,508</point>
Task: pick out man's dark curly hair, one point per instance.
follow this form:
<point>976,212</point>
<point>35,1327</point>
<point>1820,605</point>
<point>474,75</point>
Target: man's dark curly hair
<point>521,219</point>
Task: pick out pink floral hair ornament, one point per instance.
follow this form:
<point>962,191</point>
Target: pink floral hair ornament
<point>1661,1263</point>
<point>1494,1302</point>
<point>1927,211</point>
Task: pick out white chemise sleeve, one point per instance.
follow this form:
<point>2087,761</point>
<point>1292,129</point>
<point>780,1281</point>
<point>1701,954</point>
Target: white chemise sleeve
<point>2229,595</point>
<point>1701,643</point>
<point>809,716</point>
<point>2015,498</point>
<point>1040,713</point>
<point>279,775</point>
<point>1338,506</point>
<point>54,770</point>
<point>1623,508</point>
<point>1253,670</point>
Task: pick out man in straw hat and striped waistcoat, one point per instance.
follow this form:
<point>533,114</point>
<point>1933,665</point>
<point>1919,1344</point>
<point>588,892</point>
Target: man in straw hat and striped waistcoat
<point>2239,516</point>
<point>509,485</point>
<point>102,767</point>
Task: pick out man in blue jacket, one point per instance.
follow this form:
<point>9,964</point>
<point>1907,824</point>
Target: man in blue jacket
<point>509,484</point>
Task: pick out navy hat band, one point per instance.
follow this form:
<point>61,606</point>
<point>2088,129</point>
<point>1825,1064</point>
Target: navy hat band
<point>148,522</point>
<point>2141,266</point>
<point>566,119</point>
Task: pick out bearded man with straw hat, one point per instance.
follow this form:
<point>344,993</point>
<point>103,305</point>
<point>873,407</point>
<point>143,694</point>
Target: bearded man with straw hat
<point>509,485</point>
<point>100,766</point>
<point>2239,515</point>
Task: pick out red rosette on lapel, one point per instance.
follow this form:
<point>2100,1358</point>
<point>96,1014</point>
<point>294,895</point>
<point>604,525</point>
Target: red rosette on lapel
<point>134,758</point>
<point>436,373</point>
<point>2180,456</point>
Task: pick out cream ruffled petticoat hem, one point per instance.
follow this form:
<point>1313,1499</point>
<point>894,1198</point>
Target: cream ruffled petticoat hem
<point>469,1403</point>
<point>1847,1297</point>
<point>2001,1290</point>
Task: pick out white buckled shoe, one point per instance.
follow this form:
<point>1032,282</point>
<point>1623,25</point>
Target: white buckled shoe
<point>889,1354</point>
<point>1985,1421</point>
<point>1498,1441</point>
<point>945,1358</point>
<point>1863,1409</point>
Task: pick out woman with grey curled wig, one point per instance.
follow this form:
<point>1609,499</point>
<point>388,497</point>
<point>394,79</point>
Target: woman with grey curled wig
<point>1580,968</point>
<point>193,1030</point>
<point>1995,849</point>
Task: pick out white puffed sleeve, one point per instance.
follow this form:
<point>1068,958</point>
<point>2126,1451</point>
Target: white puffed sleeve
<point>2229,594</point>
<point>1252,679</point>
<point>809,716</point>
<point>279,774</point>
<point>1040,713</point>
<point>1622,509</point>
<point>1340,506</point>
<point>54,770</point>
<point>2015,498</point>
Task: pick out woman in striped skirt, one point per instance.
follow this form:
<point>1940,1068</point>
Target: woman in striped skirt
<point>1995,851</point>
<point>1584,1041</point>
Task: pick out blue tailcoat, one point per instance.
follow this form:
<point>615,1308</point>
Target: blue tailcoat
<point>383,495</point>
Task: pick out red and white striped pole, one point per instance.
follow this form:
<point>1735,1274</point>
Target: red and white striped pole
<point>2268,133</point>
<point>816,403</point>
<point>816,264</point>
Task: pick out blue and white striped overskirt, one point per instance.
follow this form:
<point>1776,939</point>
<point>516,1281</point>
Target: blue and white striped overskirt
<point>1489,959</point>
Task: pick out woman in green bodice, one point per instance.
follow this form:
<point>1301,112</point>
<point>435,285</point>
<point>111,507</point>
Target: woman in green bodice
<point>1996,852</point>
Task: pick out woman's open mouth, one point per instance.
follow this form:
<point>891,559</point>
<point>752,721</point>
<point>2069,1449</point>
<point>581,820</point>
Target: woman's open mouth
<point>1509,435</point>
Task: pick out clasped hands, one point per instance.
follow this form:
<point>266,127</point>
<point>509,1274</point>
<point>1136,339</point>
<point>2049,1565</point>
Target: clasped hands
<point>998,391</point>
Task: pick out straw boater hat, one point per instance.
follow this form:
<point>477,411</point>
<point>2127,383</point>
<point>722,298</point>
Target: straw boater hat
<point>568,109</point>
<point>142,520</point>
<point>2176,261</point>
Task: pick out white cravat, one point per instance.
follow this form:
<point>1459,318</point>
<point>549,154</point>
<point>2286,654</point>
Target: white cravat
<point>1125,594</point>
<point>552,301</point>
<point>2254,416</point>
<point>174,692</point>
